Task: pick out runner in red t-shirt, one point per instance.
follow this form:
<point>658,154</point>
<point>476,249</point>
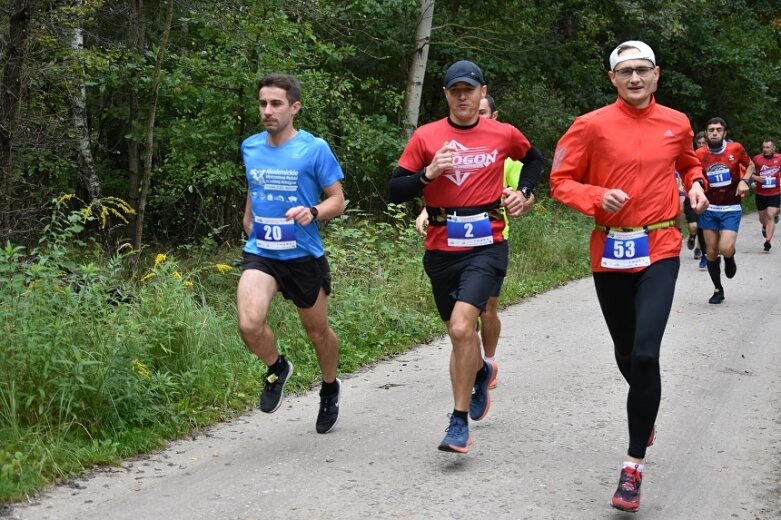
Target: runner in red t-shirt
<point>457,164</point>
<point>723,162</point>
<point>767,176</point>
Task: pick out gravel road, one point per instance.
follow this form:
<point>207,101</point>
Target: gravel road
<point>550,448</point>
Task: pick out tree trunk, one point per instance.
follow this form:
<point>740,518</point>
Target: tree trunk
<point>88,173</point>
<point>417,69</point>
<point>150,129</point>
<point>19,22</point>
<point>133,148</point>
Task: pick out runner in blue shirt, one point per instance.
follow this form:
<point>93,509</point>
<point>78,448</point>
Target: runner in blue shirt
<point>287,171</point>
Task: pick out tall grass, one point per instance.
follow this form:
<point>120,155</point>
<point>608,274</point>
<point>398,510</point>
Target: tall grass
<point>101,361</point>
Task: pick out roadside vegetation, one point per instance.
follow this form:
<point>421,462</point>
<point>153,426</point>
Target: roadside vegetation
<point>102,361</point>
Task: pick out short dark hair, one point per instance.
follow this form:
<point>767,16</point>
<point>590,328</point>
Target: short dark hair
<point>289,84</point>
<point>716,121</point>
<point>491,103</point>
<point>769,140</point>
<point>699,135</point>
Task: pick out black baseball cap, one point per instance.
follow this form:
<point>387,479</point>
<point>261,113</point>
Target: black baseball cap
<point>464,71</point>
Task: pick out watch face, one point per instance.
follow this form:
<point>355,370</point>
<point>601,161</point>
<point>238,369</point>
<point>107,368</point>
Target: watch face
<point>314,211</point>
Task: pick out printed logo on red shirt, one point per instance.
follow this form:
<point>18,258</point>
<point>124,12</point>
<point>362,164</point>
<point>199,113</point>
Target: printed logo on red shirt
<point>467,160</point>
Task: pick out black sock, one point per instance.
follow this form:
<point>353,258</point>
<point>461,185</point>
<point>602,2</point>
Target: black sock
<point>701,239</point>
<point>279,366</point>
<point>329,388</point>
<point>461,415</point>
<point>714,270</point>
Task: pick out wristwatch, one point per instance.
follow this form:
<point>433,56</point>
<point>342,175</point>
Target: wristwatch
<point>526,191</point>
<point>314,211</point>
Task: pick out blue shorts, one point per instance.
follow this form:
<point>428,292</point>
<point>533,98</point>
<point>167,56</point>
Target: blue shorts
<point>720,220</point>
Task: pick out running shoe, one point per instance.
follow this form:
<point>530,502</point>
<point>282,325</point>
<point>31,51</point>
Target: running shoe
<point>492,384</point>
<point>767,245</point>
<point>457,439</point>
<point>718,297</point>
<point>652,437</point>
<point>627,496</point>
<point>481,397</point>
<point>697,253</point>
<point>328,415</point>
<point>703,262</point>
<point>690,242</point>
<point>274,389</point>
<point>730,267</point>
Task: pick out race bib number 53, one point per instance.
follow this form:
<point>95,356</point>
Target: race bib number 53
<point>625,250</point>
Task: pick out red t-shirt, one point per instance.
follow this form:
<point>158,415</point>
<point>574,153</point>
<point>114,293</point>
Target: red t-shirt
<point>724,172</point>
<point>478,176</point>
<point>637,151</point>
<point>770,169</point>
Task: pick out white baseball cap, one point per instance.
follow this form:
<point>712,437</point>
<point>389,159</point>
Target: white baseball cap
<point>638,51</point>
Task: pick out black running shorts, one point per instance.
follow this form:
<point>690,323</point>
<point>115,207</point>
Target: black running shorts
<point>767,201</point>
<point>469,277</point>
<point>299,279</point>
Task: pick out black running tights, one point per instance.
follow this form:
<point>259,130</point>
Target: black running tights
<point>636,307</point>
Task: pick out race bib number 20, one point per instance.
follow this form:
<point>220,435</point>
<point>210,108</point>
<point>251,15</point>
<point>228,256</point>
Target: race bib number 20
<point>275,233</point>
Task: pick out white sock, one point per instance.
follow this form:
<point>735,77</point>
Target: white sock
<point>489,358</point>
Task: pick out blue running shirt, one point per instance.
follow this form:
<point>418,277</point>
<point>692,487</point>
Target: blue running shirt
<point>282,177</point>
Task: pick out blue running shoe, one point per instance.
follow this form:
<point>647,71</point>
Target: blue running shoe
<point>703,262</point>
<point>481,396</point>
<point>457,439</point>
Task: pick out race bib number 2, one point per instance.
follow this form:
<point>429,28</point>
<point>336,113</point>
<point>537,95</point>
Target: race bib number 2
<point>471,231</point>
<point>275,233</point>
<point>625,250</point>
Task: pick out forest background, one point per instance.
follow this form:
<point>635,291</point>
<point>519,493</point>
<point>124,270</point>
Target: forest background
<point>122,187</point>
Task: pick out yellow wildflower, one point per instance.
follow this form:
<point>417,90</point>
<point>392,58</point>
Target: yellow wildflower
<point>159,259</point>
<point>223,268</point>
<point>148,276</point>
<point>141,369</point>
<point>177,275</point>
<point>65,197</point>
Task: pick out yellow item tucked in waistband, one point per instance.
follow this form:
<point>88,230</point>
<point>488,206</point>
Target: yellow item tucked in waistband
<point>650,227</point>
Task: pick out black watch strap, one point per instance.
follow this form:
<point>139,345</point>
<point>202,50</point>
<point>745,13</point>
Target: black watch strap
<point>314,211</point>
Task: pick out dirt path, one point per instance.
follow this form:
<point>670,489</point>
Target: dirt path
<point>550,448</point>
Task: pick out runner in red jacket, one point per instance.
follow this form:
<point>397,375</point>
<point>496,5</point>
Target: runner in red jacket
<point>617,164</point>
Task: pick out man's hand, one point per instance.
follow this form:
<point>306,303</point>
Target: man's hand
<point>743,188</point>
<point>515,203</point>
<point>300,214</point>
<point>442,162</point>
<point>697,199</point>
<point>421,223</point>
<point>613,200</point>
